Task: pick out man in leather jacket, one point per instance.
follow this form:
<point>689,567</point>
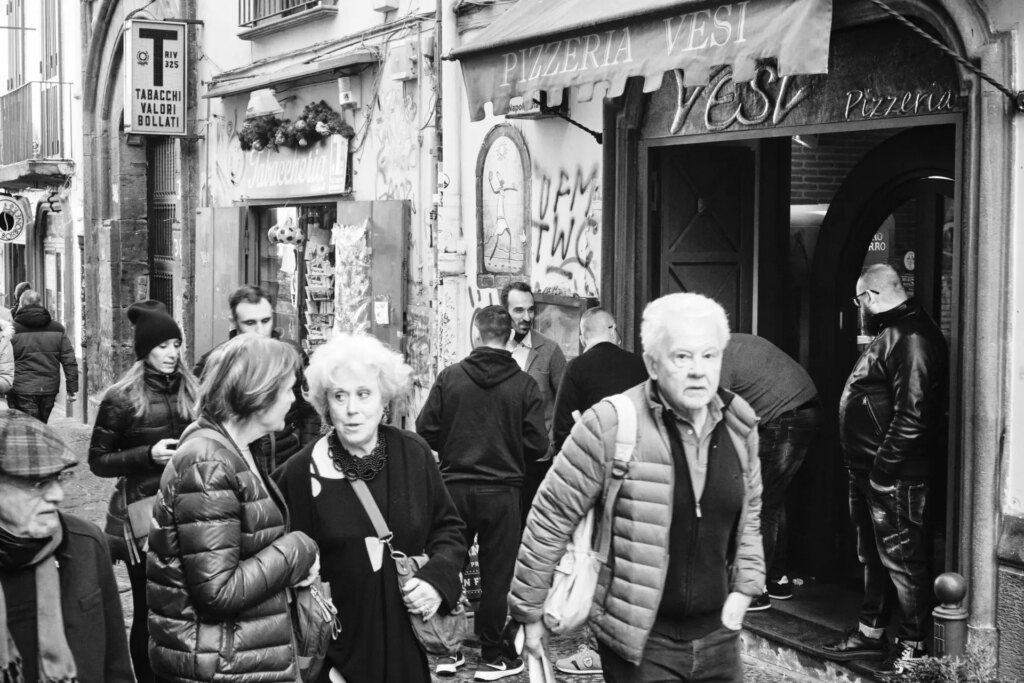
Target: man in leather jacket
<point>890,414</point>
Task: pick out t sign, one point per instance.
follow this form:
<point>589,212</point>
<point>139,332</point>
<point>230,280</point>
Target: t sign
<point>156,59</point>
<point>158,37</point>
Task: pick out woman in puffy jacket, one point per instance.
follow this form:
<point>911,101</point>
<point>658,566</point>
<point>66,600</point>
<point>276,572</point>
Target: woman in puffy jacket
<point>137,426</point>
<point>221,557</point>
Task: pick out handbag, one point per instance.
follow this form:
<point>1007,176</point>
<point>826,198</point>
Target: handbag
<point>315,624</point>
<point>314,617</point>
<point>575,580</point>
<point>440,634</point>
<point>137,521</point>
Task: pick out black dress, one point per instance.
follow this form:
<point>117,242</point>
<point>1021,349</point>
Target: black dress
<point>377,644</point>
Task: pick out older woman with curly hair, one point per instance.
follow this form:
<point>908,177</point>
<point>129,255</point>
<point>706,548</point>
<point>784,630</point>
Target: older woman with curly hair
<point>351,379</point>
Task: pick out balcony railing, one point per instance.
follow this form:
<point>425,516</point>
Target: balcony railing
<point>252,13</point>
<point>33,125</point>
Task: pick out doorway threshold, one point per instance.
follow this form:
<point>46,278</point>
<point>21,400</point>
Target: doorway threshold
<point>790,635</point>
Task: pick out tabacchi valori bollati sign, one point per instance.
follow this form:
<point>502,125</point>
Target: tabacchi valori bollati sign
<point>156,61</point>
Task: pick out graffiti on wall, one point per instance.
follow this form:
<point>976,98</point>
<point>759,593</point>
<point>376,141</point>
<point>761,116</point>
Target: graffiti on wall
<point>417,346</point>
<point>567,231</point>
<point>396,133</point>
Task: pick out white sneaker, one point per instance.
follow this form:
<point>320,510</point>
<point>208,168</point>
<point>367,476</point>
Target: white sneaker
<point>447,666</point>
<point>583,661</point>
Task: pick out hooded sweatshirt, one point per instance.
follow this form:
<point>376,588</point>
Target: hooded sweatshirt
<point>485,418</point>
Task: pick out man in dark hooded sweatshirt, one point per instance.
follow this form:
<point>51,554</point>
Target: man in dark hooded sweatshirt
<point>485,419</point>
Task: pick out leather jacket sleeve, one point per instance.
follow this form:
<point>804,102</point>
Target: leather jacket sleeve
<point>915,366</point>
<point>106,457</point>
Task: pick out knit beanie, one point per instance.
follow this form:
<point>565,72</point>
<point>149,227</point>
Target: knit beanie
<point>153,326</point>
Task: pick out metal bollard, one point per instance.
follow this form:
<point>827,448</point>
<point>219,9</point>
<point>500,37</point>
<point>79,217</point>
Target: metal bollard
<point>949,638</point>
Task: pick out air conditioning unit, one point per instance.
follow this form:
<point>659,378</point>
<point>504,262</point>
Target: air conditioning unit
<point>403,58</point>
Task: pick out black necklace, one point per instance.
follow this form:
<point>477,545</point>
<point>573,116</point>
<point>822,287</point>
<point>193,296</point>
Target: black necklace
<point>355,467</point>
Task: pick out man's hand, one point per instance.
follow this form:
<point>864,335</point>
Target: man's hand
<point>536,635</point>
<point>734,609</point>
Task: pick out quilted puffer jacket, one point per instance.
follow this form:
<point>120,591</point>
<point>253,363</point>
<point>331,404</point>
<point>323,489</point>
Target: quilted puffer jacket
<point>631,585</point>
<point>41,348</point>
<point>6,356</point>
<point>121,442</point>
<point>220,558</point>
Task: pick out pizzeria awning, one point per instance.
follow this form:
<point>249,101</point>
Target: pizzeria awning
<point>548,45</point>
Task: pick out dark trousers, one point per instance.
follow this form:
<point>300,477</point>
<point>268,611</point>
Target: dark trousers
<point>715,658</point>
<point>38,406</point>
<point>138,638</point>
<point>894,546</point>
<point>535,473</point>
<point>491,513</point>
<point>784,445</point>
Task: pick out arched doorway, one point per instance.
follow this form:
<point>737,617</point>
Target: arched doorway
<point>898,205</point>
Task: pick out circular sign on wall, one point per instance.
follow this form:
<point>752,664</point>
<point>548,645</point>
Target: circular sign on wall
<point>909,261</point>
<point>12,219</point>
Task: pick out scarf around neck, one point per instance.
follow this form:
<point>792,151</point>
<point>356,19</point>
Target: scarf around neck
<point>56,663</point>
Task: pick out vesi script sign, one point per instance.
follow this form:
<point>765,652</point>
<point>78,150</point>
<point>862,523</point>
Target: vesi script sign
<point>155,77</point>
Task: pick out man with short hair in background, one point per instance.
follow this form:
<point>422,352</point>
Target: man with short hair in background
<point>541,358</point>
<point>41,348</point>
<point>252,312</point>
<point>785,399</point>
<point>484,417</point>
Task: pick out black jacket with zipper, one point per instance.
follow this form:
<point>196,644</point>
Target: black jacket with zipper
<point>485,418</point>
<point>121,442</point>
<point>891,409</point>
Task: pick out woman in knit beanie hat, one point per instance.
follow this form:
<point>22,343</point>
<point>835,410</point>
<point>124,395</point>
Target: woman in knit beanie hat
<point>137,428</point>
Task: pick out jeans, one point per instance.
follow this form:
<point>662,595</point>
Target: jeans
<point>38,406</point>
<point>894,546</point>
<point>715,658</point>
<point>784,444</point>
<point>491,513</point>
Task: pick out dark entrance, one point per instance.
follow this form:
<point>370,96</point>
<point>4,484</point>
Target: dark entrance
<point>854,198</point>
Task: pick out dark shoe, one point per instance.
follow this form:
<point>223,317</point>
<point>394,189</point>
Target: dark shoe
<point>856,645</point>
<point>761,602</point>
<point>781,589</point>
<point>498,668</point>
<point>448,666</point>
<point>899,655</point>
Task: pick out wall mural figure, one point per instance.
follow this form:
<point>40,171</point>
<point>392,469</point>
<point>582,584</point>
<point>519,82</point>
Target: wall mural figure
<point>503,188</point>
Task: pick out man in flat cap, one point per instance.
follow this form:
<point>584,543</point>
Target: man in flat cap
<point>60,613</point>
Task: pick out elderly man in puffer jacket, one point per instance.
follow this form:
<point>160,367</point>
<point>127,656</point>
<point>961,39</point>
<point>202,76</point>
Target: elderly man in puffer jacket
<point>686,555</point>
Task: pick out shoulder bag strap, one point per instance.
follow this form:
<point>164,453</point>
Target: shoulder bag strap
<point>370,505</point>
<point>625,445</point>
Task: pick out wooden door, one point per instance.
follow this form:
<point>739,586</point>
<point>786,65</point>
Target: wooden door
<point>705,210</point>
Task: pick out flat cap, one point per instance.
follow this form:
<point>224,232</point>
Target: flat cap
<point>31,449</point>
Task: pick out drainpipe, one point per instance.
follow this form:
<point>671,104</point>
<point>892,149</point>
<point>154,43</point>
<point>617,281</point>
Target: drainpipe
<point>451,242</point>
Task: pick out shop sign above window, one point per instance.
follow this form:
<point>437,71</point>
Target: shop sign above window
<point>316,170</point>
<point>12,221</point>
<point>156,68</point>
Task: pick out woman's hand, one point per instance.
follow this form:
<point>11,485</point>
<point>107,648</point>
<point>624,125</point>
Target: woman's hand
<point>314,574</point>
<point>162,450</point>
<point>421,598</point>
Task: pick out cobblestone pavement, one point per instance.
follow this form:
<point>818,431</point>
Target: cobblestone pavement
<point>87,495</point>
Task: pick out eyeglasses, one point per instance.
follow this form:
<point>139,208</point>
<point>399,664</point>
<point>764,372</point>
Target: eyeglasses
<point>62,477</point>
<point>856,299</point>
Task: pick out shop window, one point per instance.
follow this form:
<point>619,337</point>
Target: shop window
<point>295,265</point>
